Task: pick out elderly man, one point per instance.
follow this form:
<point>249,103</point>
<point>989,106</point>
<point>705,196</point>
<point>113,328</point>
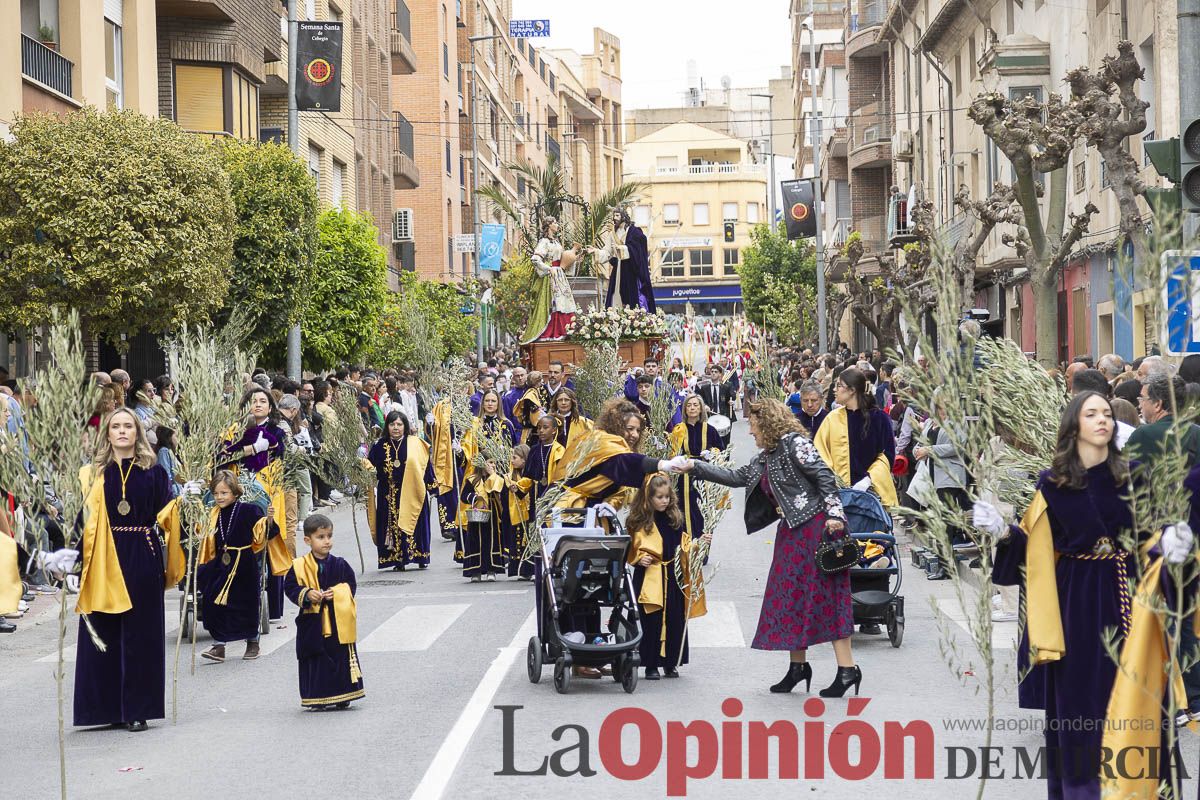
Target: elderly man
<point>122,379</point>
<point>1074,368</point>
<point>1154,365</point>
<point>1111,365</point>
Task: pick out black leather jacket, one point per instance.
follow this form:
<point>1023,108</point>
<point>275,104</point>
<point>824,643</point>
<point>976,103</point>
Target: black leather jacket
<point>801,482</point>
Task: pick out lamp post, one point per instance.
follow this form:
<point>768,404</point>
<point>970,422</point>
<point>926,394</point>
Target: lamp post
<point>293,122</point>
<point>822,327</point>
<point>771,157</point>
<point>480,337</point>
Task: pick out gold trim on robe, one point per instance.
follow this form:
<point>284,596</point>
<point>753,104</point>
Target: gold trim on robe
<point>413,493</point>
<point>653,596</point>
<point>832,441</point>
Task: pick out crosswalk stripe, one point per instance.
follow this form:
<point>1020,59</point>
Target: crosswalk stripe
<point>412,628</point>
<point>276,638</point>
<point>718,628</point>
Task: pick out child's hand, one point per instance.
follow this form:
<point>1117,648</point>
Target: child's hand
<point>327,594</point>
<point>646,561</point>
<point>706,538</point>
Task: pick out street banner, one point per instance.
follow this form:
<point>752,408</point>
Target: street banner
<point>528,28</point>
<point>491,243</point>
<point>318,78</point>
<point>798,211</point>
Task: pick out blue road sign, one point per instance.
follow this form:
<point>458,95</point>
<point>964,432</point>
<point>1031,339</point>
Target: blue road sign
<point>528,28</point>
<point>1180,332</point>
<point>491,243</point>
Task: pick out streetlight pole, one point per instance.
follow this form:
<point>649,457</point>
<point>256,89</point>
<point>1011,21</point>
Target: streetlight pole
<point>822,327</point>
<point>480,338</point>
<point>771,157</point>
<point>293,124</point>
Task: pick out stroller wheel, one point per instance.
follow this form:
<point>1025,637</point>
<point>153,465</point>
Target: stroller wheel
<point>562,676</point>
<point>895,628</point>
<point>629,675</point>
<point>533,659</point>
<point>618,668</point>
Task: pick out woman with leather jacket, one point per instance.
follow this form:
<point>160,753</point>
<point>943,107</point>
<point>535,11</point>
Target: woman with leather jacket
<point>787,482</point>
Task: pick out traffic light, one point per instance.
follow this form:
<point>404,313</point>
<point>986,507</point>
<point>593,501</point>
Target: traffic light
<point>1165,155</point>
<point>1189,164</point>
<point>729,234</point>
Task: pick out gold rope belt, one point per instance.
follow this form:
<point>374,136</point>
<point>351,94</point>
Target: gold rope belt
<point>1105,550</point>
<point>223,596</point>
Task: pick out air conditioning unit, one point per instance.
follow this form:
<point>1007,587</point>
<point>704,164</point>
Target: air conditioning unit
<point>902,146</point>
<point>402,225</point>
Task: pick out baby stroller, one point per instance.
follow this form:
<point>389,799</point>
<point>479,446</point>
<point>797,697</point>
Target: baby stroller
<point>583,572</point>
<point>874,591</point>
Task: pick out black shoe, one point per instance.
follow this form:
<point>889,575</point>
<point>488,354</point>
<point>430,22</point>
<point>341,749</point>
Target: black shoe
<point>845,678</point>
<point>6,626</point>
<point>343,705</point>
<point>652,674</point>
<point>137,726</point>
<point>797,671</point>
<point>423,566</point>
<point>398,568</point>
<point>671,673</point>
<point>871,629</point>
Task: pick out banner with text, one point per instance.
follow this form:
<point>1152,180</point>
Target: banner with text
<point>318,78</point>
<point>798,210</point>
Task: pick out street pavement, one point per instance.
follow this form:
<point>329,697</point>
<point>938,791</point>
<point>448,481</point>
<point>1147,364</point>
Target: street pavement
<point>440,654</point>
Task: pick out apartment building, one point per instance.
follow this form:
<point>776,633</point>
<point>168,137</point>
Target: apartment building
<point>699,182</point>
<point>70,53</point>
<point>815,25</point>
<point>947,53</point>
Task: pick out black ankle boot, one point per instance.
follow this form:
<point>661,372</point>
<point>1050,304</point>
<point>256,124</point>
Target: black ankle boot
<point>797,671</point>
<point>845,678</point>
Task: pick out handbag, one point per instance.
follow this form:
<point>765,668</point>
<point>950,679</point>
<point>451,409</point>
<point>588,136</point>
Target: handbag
<point>837,555</point>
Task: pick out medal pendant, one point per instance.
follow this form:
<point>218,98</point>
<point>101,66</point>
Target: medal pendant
<point>123,507</point>
<point>225,559</point>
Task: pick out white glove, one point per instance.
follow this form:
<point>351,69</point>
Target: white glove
<point>676,464</point>
<point>429,420</point>
<point>362,451</point>
<point>1176,542</point>
<point>987,518</point>
<point>605,510</point>
<point>863,484</point>
<point>73,584</point>
<point>60,562</point>
<point>193,488</point>
<point>260,444</point>
<point>456,446</point>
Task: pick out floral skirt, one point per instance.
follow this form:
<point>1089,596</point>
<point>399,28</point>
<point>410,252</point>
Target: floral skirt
<point>802,606</point>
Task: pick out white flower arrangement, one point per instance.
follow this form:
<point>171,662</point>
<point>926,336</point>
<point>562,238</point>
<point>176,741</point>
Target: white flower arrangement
<point>612,324</point>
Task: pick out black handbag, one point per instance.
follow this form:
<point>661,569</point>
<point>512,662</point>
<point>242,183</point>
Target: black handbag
<point>838,555</point>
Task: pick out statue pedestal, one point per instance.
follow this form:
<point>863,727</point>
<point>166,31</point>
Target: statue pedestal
<point>538,355</point>
<point>587,293</point>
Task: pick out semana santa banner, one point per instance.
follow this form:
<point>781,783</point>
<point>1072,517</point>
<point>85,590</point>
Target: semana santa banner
<point>318,79</point>
<point>798,212</point>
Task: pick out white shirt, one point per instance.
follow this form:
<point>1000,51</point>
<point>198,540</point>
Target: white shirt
<point>1124,430</point>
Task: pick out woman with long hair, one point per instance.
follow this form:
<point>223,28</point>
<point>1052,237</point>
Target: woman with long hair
<point>658,531</point>
<point>258,451</point>
<point>1068,549</point>
<point>402,510</point>
<point>553,306</point>
<point>482,548</point>
<point>856,440</point>
<point>788,483</point>
<point>694,438</point>
<point>572,425</point>
<point>131,553</point>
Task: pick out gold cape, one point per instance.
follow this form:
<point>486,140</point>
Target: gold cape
<point>833,443</point>
<point>413,492</point>
<point>102,584</point>
<point>10,575</point>
<point>443,448</point>
<point>345,609</point>
<point>518,507</point>
<point>529,421</point>
<point>653,597</point>
<point>679,441</point>
<point>580,429</point>
<point>603,447</point>
<point>208,550</point>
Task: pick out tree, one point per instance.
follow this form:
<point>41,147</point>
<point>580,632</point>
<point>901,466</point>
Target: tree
<point>772,255</point>
<point>123,217</point>
<point>439,306</point>
<point>510,295</point>
<point>276,236</point>
<point>1000,206</point>
<point>790,311</point>
<point>348,290</point>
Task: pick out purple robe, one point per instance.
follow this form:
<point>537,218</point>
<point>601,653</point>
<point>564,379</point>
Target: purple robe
<point>406,548</point>
<point>693,445</point>
<point>258,461</point>
<point>880,438</point>
<point>324,661</point>
<point>811,423</point>
<point>509,403</point>
<point>127,682</point>
<point>635,289</point>
<point>238,618</point>
<point>1075,690</point>
<point>483,550</point>
<point>674,613</point>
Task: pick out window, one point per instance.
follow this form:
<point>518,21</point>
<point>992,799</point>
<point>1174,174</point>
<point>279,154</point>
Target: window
<point>670,213</point>
<point>672,264</point>
<point>314,164</point>
<point>462,171</point>
<point>729,212</point>
<point>245,107</point>
<point>666,164</point>
<point>1080,170</point>
<point>339,180</point>
<point>200,97</point>
<point>446,60</point>
<point>700,262</point>
<point>641,216</point>
<point>752,213</point>
<point>449,162</point>
<point>731,261</point>
<point>700,214</point>
<point>113,55</point>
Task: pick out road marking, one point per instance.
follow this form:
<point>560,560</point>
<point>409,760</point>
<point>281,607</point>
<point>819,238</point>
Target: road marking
<point>412,628</point>
<point>423,595</point>
<point>441,769</point>
<point>1004,634</point>
<point>718,628</point>
<point>276,638</point>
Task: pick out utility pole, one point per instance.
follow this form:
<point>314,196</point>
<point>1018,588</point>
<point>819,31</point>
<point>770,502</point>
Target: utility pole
<point>475,229</point>
<point>293,126</point>
<point>822,327</point>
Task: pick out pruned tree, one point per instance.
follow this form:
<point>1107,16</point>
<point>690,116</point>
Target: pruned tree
<point>1037,137</point>
<point>999,206</point>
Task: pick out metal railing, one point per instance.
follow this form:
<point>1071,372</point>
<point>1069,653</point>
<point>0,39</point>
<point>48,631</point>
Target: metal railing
<point>404,135</point>
<point>402,19</point>
<point>45,65</point>
<point>898,229</point>
<point>841,230</point>
<point>869,13</point>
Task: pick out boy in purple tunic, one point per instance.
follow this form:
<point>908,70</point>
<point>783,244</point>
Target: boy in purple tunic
<point>323,586</point>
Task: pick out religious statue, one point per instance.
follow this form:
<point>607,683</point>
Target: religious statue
<point>553,306</point>
<point>626,254</point>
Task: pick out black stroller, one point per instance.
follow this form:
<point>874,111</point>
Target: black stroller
<point>583,572</point>
<point>875,591</point>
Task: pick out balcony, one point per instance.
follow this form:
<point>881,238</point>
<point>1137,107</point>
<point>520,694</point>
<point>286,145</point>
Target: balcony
<point>690,171</point>
<point>841,232</point>
<point>46,66</point>
<point>899,232</point>
<point>870,139</point>
<point>552,147</point>
<point>404,58</point>
<point>862,31</point>
<point>839,142</point>
<point>404,169</point>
